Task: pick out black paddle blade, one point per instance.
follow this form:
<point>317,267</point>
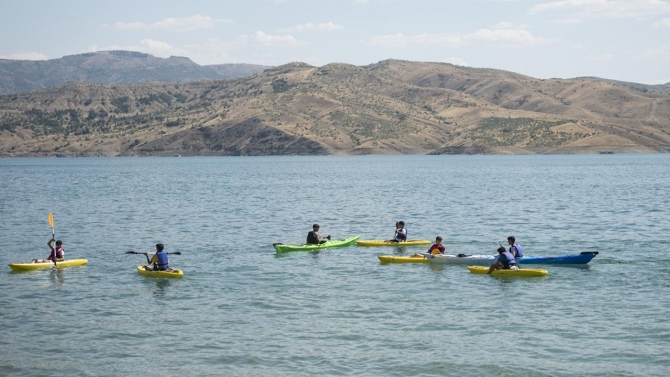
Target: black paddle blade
<point>176,253</point>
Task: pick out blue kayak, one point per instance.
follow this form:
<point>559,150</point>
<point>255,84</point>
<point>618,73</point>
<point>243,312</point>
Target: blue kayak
<point>486,260</point>
<point>582,258</point>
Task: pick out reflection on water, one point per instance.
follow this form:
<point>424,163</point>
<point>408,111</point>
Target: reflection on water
<point>159,286</point>
<point>57,277</point>
<point>437,267</point>
<point>400,250</point>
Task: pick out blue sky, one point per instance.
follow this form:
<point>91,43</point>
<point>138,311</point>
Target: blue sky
<point>618,39</point>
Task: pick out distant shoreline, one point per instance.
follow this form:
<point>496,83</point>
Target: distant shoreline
<point>600,152</point>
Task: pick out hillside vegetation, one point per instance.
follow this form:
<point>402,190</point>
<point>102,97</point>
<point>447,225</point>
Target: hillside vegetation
<point>392,107</point>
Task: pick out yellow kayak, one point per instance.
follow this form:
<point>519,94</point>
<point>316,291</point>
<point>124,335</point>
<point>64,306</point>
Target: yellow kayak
<point>519,272</point>
<point>26,266</point>
<point>171,273</point>
<point>394,259</point>
<point>392,243</point>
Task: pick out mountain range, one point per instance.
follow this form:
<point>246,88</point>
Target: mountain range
<point>111,67</point>
<point>390,107</point>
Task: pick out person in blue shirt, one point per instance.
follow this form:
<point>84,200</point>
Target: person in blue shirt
<point>400,234</point>
<point>514,248</point>
<point>505,261</point>
<point>159,261</point>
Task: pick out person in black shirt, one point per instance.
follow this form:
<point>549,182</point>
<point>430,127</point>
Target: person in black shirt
<point>313,236</point>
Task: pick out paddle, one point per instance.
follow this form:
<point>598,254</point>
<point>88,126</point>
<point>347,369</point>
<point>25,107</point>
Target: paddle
<point>137,252</point>
<point>53,235</point>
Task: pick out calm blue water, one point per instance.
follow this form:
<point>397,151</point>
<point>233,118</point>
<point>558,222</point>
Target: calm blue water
<point>240,310</point>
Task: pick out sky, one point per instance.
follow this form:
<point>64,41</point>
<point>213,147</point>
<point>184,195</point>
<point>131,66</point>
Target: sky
<point>627,40</point>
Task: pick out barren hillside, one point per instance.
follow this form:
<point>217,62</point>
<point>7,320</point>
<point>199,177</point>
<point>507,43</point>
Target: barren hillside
<point>392,107</point>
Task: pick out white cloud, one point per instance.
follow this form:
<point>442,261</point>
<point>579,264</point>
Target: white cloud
<point>598,58</point>
<point>214,51</point>
<point>455,61</point>
<point>161,48</point>
<point>605,8</point>
<point>183,23</point>
<point>655,53</point>
<point>315,27</point>
<point>501,37</point>
<point>570,20</point>
<point>362,2</point>
<point>25,56</point>
<point>277,40</point>
<point>663,23</point>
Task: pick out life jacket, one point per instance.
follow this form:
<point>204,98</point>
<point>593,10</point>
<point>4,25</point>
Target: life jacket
<point>311,238</point>
<point>399,236</point>
<point>507,260</point>
<point>161,261</point>
<point>519,250</point>
<point>56,253</point>
<point>437,249</point>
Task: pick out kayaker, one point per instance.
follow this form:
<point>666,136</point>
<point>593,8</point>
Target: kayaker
<point>437,247</point>
<point>505,261</point>
<point>159,261</point>
<point>400,234</point>
<point>58,252</point>
<point>313,237</point>
<point>514,248</point>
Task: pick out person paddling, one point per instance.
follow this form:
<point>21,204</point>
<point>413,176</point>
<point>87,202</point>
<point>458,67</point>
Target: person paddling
<point>313,237</point>
<point>58,252</point>
<point>159,261</point>
<point>505,261</point>
<point>400,234</point>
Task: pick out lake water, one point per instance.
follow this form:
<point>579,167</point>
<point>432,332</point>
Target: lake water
<point>241,310</point>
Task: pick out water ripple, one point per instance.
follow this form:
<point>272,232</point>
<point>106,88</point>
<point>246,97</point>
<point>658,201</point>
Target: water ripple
<point>243,310</point>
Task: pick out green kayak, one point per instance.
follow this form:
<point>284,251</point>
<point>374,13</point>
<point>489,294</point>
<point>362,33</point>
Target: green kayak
<point>280,247</point>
